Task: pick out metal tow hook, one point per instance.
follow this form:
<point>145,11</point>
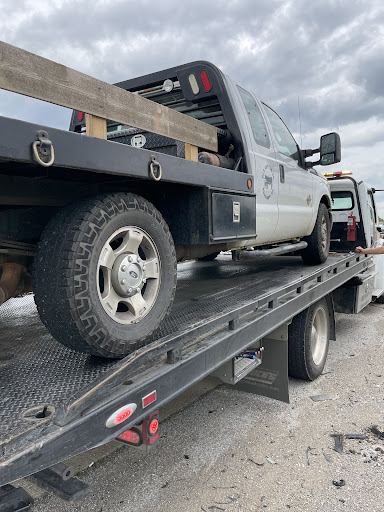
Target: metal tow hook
<point>43,148</point>
<point>155,169</point>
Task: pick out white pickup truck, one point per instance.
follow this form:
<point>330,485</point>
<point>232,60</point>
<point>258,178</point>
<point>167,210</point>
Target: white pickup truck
<point>100,226</point>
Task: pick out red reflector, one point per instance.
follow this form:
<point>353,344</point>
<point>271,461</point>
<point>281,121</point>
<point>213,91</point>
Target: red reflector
<point>131,437</point>
<point>80,116</point>
<point>153,426</point>
<point>206,83</point>
<point>149,399</point>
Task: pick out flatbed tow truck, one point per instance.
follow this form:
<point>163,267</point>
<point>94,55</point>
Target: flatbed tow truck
<point>230,318</point>
<point>250,320</point>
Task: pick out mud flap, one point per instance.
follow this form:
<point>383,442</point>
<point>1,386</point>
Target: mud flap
<point>270,378</point>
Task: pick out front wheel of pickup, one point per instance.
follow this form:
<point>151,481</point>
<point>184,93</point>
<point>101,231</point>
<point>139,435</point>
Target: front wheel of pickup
<point>319,240</point>
<point>105,274</point>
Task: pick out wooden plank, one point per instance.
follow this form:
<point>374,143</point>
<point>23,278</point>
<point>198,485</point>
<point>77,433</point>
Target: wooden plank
<point>191,152</point>
<point>95,126</point>
<point>28,74</point>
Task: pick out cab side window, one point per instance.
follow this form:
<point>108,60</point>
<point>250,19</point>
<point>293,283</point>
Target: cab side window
<point>256,119</point>
<point>286,144</point>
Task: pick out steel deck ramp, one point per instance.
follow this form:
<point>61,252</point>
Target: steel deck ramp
<point>220,309</point>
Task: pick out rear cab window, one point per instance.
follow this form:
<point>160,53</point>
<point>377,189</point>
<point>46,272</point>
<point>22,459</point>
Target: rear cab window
<point>342,200</point>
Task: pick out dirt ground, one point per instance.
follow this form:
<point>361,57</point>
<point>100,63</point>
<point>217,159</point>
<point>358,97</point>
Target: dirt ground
<point>235,452</point>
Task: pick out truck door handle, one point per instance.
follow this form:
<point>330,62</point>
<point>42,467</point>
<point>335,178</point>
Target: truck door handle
<point>282,173</point>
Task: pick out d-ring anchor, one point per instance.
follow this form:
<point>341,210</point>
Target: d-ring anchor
<point>43,147</point>
<point>155,169</point>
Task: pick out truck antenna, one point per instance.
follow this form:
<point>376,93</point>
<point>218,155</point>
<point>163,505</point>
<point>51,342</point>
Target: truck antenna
<point>298,107</point>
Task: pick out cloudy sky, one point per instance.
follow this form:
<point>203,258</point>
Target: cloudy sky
<point>327,53</point>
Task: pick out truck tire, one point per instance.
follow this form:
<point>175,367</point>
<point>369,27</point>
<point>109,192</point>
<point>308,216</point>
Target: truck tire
<point>105,274</point>
<point>209,257</point>
<point>319,240</point>
<point>308,341</point>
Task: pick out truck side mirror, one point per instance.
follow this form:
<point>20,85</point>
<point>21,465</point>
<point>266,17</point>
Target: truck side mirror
<point>330,149</point>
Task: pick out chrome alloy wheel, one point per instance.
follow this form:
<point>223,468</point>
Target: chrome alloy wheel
<point>128,275</point>
<point>319,336</point>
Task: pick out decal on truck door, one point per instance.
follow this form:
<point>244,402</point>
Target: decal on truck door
<point>267,176</point>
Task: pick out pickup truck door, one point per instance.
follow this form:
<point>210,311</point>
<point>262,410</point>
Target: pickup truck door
<point>295,199</point>
<point>264,168</point>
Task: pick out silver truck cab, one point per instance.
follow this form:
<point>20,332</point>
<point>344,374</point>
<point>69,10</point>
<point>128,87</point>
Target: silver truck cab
<point>288,190</point>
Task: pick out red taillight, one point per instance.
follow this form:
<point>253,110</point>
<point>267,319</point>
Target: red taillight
<point>351,229</point>
<point>123,416</point>
<point>149,399</point>
<point>131,437</point>
<point>206,83</point>
<point>153,427</point>
<point>80,116</point>
<point>120,415</point>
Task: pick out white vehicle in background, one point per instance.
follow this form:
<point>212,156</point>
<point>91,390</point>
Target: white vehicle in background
<point>355,221</point>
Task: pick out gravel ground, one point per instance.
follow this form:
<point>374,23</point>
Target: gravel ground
<point>235,452</point>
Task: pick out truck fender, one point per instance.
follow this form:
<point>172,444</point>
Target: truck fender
<point>321,194</point>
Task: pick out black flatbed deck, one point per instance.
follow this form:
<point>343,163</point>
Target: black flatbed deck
<point>48,390</point>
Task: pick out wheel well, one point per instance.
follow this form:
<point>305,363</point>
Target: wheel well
<point>325,200</point>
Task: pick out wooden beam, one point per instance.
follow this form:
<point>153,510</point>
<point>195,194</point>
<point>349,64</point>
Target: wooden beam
<point>95,126</point>
<point>28,74</point>
<point>191,152</point>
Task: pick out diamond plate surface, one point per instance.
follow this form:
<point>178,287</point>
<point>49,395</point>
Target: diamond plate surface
<point>154,142</point>
<point>35,370</point>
